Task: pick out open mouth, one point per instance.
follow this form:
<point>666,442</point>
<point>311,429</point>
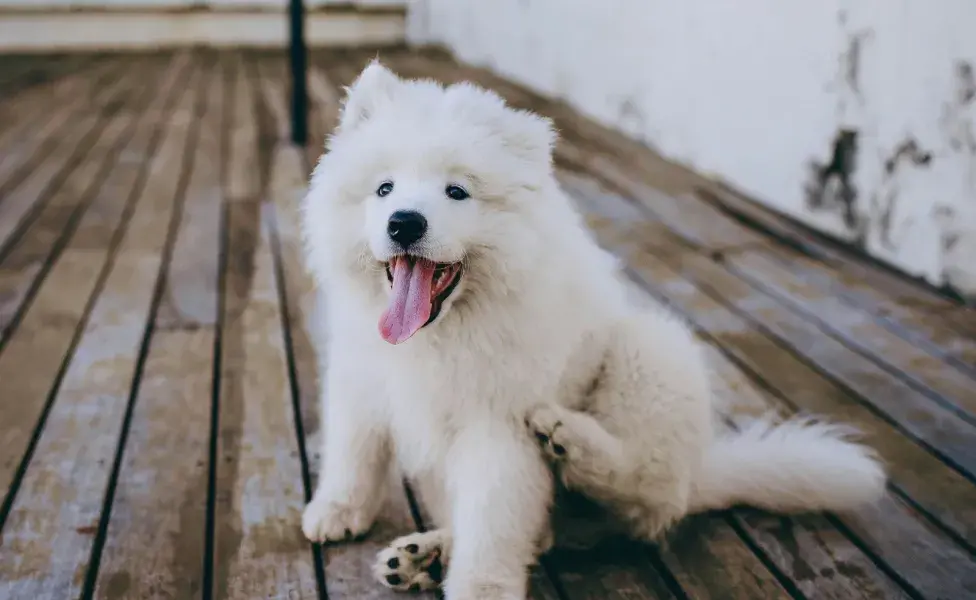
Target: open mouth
<point>419,289</point>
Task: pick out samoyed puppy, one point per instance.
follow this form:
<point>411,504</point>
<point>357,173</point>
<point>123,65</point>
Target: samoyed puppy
<point>479,339</point>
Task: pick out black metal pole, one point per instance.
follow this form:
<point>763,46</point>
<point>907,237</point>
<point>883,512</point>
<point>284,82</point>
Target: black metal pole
<point>299,93</point>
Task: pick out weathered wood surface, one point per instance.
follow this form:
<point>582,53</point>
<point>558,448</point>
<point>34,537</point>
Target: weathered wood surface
<point>159,432</point>
<point>259,486</point>
<point>38,163</point>
<point>163,468</point>
<point>55,516</point>
<point>31,361</point>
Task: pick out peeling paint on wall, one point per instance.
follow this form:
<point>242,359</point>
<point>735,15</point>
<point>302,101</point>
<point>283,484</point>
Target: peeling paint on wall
<point>830,186</point>
<point>959,118</point>
<point>958,223</point>
<point>884,203</point>
<point>857,121</point>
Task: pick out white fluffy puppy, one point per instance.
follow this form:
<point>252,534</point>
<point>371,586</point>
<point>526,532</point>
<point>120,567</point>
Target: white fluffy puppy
<point>470,318</point>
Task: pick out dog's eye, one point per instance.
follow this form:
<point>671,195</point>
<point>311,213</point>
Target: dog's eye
<point>456,192</point>
<point>385,188</point>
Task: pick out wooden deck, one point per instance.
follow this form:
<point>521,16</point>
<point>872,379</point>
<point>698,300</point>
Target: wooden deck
<point>158,418</point>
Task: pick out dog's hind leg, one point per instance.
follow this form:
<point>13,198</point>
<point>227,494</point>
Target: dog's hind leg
<point>589,459</point>
<point>637,443</point>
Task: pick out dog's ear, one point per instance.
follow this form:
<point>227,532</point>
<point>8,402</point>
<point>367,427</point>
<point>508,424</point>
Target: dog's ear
<point>374,87</point>
<point>529,135</point>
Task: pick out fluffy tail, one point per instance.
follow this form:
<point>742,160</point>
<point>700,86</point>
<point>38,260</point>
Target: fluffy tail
<point>800,465</point>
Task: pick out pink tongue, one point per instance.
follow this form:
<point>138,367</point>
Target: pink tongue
<point>410,304</point>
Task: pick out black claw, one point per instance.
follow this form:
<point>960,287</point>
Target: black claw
<point>543,438</point>
<point>414,588</point>
<point>412,548</point>
<point>393,563</point>
<point>348,533</point>
<point>393,579</point>
<point>559,450</point>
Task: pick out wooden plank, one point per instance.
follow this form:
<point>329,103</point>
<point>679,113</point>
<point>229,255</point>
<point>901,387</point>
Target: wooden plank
<point>936,333</point>
<point>932,376</point>
<point>699,224</point>
<point>325,101</point>
<point>259,549</point>
<point>56,515</point>
<point>964,319</point>
<point>31,254</point>
<point>22,104</point>
<point>818,558</point>
<point>671,210</point>
<point>72,142</point>
<point>14,68</point>
<point>926,564</point>
<point>19,73</point>
<point>162,486</point>
<point>942,491</point>
<point>243,178</point>
<point>704,227</point>
<point>944,395</point>
<point>41,130</point>
<point>31,361</point>
<point>26,110</point>
<point>321,110</point>
<point>614,569</point>
<point>192,287</point>
<point>896,288</point>
<point>348,567</point>
<point>22,74</point>
<point>939,428</point>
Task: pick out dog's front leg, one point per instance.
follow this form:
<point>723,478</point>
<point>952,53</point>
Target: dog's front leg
<point>356,457</point>
<point>500,492</point>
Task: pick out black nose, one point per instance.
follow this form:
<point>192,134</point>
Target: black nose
<point>406,227</point>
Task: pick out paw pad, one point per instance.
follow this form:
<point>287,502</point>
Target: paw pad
<point>411,566</point>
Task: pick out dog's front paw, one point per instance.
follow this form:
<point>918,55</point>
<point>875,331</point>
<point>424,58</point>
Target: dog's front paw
<point>412,563</point>
<point>545,422</point>
<point>325,520</point>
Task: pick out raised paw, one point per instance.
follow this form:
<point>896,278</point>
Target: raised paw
<point>328,521</point>
<point>545,423</point>
<point>412,563</point>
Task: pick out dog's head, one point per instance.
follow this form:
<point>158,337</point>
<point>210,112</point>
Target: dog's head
<point>427,194</point>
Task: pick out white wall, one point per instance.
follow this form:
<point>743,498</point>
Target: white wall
<point>756,91</point>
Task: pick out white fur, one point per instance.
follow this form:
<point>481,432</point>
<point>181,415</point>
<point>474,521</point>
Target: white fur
<point>538,364</point>
<point>783,467</point>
